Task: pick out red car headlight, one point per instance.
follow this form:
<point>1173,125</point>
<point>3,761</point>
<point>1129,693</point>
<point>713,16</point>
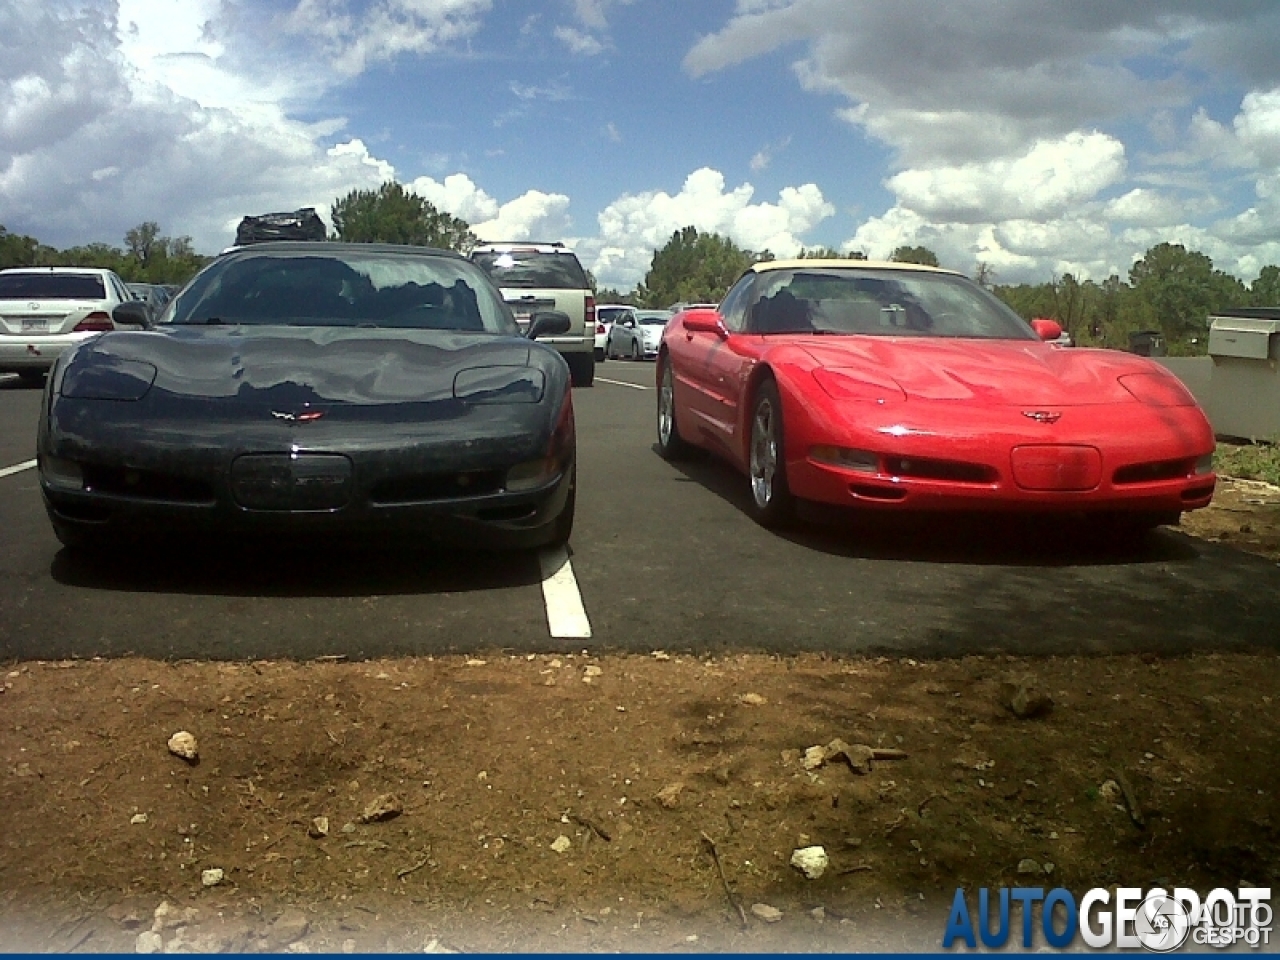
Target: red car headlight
<point>847,384</point>
<point>1157,389</point>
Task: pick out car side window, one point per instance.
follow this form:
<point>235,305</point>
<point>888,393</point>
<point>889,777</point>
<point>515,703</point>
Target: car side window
<point>734,309</point>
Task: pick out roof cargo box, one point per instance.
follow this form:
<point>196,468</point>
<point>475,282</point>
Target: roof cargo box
<point>304,224</point>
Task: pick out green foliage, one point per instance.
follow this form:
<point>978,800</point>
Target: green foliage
<point>920,255</point>
<point>609,295</point>
<point>1252,461</point>
<point>18,250</point>
<point>694,267</point>
<point>392,214</point>
<point>830,253</point>
<point>1265,291</point>
<point>1183,290</point>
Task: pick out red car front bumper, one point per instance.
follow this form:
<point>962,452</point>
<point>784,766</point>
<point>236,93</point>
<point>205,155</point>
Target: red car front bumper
<point>1104,458</point>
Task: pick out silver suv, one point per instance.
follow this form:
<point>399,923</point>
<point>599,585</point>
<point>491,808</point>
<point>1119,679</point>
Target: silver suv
<point>547,276</point>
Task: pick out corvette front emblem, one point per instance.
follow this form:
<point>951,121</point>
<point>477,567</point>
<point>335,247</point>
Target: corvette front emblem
<point>1043,416</point>
<point>305,417</point>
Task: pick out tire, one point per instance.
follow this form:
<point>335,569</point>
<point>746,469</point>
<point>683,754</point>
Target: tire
<point>564,523</point>
<point>772,504</point>
<point>671,446</point>
<point>582,368</point>
<point>31,378</point>
<point>600,357</point>
<point>635,354</point>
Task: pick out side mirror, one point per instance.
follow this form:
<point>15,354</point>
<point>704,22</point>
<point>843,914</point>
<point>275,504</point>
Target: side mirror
<point>1046,329</point>
<point>547,323</point>
<point>133,313</point>
<point>705,321</point>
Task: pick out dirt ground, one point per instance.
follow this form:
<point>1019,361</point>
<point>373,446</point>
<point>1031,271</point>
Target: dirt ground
<point>572,801</point>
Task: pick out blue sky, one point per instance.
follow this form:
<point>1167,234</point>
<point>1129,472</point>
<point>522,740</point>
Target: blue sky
<point>1035,136</point>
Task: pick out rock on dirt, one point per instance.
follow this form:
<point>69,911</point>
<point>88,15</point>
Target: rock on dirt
<point>319,827</point>
<point>183,744</point>
<point>1027,865</point>
<point>211,877</point>
<point>561,843</point>
<point>859,756</point>
<point>148,942</point>
<point>766,913</point>
<point>811,861</point>
<point>669,796</point>
<point>382,807</point>
<point>752,700</point>
<point>290,927</point>
<point>1025,699</point>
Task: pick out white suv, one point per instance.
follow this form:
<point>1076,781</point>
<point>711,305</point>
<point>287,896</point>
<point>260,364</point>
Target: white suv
<point>547,276</point>
<point>45,310</point>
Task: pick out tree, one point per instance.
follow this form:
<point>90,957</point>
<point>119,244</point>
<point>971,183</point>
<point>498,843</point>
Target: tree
<point>984,275</point>
<point>830,253</point>
<point>694,267</point>
<point>1265,291</point>
<point>921,255</point>
<point>1183,289</point>
<point>18,250</point>
<point>141,240</point>
<point>392,214</point>
<point>610,295</point>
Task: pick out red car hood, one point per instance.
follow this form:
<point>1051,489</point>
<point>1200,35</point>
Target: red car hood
<point>1021,372</point>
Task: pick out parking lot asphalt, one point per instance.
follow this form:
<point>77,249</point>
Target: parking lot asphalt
<point>663,557</point>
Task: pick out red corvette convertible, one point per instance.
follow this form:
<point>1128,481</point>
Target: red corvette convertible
<point>899,387</point>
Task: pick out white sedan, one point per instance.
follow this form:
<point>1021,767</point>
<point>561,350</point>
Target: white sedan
<point>45,310</point>
<point>637,337</point>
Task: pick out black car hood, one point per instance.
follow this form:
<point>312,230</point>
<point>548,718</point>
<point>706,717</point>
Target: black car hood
<point>305,365</point>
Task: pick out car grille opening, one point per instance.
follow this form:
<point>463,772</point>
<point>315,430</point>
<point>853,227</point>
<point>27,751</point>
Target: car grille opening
<point>437,486</point>
<point>521,511</point>
<point>866,491</point>
<point>1197,493</point>
<point>146,485</point>
<point>85,512</point>
<point>1152,472</point>
<point>950,470</point>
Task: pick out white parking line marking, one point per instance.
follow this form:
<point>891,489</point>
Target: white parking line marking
<point>566,617</point>
<point>17,468</point>
<point>623,383</point>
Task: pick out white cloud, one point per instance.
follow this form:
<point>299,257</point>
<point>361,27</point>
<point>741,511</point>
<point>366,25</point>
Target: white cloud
<point>351,36</point>
<point>457,195</point>
<point>94,139</point>
<point>550,91</point>
<point>635,225</point>
<point>579,41</point>
<point>1048,180</point>
<point>533,215</point>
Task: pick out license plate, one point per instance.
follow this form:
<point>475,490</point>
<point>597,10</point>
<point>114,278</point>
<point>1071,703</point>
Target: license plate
<point>34,324</point>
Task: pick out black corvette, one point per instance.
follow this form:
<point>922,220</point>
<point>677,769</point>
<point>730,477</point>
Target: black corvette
<point>337,389</point>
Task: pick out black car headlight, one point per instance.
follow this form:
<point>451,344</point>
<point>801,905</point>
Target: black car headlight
<point>101,376</point>
<point>499,385</point>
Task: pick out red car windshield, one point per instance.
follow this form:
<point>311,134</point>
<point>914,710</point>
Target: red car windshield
<point>897,303</point>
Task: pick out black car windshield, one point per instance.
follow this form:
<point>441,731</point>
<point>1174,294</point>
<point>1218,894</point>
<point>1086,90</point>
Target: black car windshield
<point>533,269</point>
<point>898,303</point>
<point>343,288</point>
<point>51,286</point>
<point>654,319</point>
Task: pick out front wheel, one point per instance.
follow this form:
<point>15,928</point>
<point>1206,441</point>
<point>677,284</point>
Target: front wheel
<point>582,368</point>
<point>635,350</point>
<point>670,444</point>
<point>772,504</point>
